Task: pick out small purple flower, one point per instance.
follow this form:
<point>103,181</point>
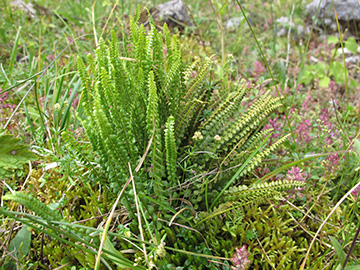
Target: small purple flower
<point>334,161</point>
<point>324,116</point>
<point>276,126</point>
<point>355,192</point>
<point>70,39</point>
<point>296,174</point>
<point>50,57</point>
<point>333,86</point>
<point>259,69</point>
<point>303,131</point>
<point>240,258</point>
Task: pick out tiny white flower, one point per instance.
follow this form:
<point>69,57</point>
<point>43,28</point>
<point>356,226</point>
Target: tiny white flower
<point>197,135</point>
<point>57,106</point>
<point>217,138</point>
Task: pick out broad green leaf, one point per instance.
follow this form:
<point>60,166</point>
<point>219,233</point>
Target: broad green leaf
<point>117,258</point>
<point>332,40</point>
<point>19,246</point>
<point>13,154</point>
<point>324,82</point>
<point>339,267</point>
<point>357,147</point>
<point>338,249</point>
<point>352,267</point>
<point>306,77</point>
<point>351,45</point>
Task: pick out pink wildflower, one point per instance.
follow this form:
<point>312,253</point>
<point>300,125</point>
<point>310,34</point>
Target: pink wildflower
<point>296,174</point>
<point>50,57</point>
<point>240,258</point>
<point>333,86</point>
<point>70,39</point>
<point>334,159</point>
<point>355,192</point>
<point>303,131</point>
<point>259,69</point>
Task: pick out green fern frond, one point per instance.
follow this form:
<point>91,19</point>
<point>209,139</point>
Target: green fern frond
<point>247,122</point>
<point>226,110</point>
<point>189,70</point>
<point>34,205</point>
<point>86,91</point>
<point>255,139</point>
<point>167,37</point>
<point>245,195</point>
<point>114,47</point>
<point>241,196</point>
<point>194,90</point>
<point>256,161</point>
<point>171,150</point>
<point>152,123</point>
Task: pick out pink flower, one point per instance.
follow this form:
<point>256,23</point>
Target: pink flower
<point>259,69</point>
<point>333,86</point>
<point>303,131</point>
<point>355,192</point>
<point>240,258</point>
<point>70,39</point>
<point>296,174</point>
<point>50,57</point>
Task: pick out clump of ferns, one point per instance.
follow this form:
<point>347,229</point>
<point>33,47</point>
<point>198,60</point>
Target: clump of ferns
<point>131,94</point>
<point>230,137</point>
<point>142,99</point>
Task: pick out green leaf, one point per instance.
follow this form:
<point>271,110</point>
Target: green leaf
<point>324,82</point>
<point>117,258</point>
<point>351,45</point>
<point>352,267</point>
<point>306,77</point>
<point>338,249</point>
<point>339,267</point>
<point>357,147</point>
<point>13,154</point>
<point>332,40</point>
<point>19,246</point>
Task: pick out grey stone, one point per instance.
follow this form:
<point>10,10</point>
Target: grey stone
<point>352,59</point>
<point>233,23</point>
<point>284,24</point>
<point>346,51</point>
<point>29,8</point>
<point>346,10</point>
<point>173,12</point>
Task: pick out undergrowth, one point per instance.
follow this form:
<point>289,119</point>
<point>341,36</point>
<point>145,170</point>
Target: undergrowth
<point>151,157</point>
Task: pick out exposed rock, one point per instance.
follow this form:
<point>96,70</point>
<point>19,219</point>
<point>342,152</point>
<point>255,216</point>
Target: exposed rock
<point>297,30</point>
<point>347,10</point>
<point>233,23</point>
<point>349,56</point>
<point>347,51</point>
<point>174,13</point>
<point>29,8</point>
<point>353,59</point>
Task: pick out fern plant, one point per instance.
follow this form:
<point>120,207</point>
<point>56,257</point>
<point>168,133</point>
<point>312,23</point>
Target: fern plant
<point>139,97</point>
